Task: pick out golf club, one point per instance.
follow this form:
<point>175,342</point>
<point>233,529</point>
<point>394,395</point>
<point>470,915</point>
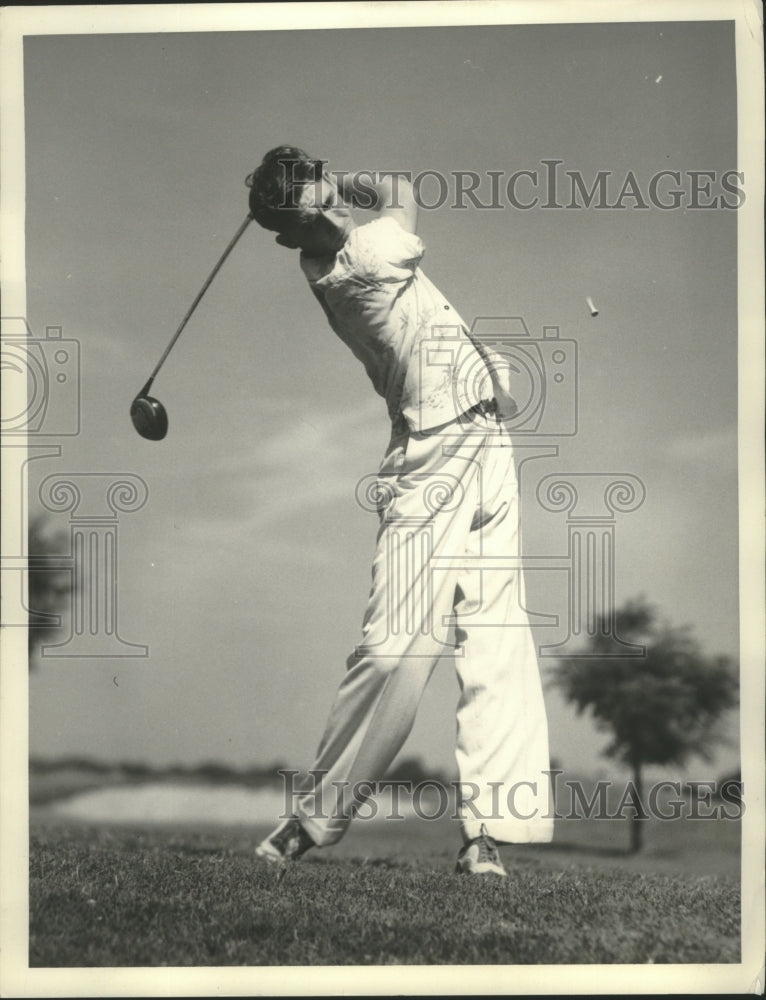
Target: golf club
<point>149,416</point>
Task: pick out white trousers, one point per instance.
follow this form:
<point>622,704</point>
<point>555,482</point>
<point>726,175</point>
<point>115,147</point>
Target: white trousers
<point>448,502</point>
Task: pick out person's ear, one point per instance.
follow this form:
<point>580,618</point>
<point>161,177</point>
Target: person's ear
<point>285,241</point>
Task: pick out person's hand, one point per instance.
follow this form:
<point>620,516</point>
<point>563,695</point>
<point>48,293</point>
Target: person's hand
<point>501,373</point>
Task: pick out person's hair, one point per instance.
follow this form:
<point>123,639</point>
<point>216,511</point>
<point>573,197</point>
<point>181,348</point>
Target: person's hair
<point>276,185</point>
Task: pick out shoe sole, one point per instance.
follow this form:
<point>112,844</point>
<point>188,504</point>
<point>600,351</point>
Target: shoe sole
<point>485,869</point>
<point>273,857</point>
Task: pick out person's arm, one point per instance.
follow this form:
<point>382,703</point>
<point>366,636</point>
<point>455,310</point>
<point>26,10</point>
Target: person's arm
<point>388,195</point>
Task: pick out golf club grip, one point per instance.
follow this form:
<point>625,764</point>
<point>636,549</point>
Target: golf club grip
<point>201,292</point>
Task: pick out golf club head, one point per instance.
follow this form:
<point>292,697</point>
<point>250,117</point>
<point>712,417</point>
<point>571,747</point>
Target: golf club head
<point>149,417</point>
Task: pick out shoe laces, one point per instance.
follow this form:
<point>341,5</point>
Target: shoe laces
<point>292,840</point>
<point>488,851</point>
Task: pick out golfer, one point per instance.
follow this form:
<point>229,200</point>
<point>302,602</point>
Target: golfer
<point>447,498</point>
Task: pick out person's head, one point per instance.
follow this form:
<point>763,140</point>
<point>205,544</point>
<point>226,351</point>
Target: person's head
<point>292,196</point>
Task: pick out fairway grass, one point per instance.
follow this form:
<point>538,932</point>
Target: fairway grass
<point>102,897</point>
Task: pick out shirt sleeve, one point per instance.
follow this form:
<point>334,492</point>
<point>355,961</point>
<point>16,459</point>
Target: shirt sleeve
<point>382,251</point>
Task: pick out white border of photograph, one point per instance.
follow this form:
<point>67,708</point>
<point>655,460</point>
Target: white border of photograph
<point>16,979</point>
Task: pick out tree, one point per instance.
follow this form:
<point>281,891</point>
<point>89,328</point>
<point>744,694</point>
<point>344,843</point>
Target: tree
<point>662,708</point>
<point>49,583</point>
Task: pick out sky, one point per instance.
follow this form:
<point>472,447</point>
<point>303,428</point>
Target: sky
<point>246,571</point>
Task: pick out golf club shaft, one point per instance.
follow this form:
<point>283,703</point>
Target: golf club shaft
<point>196,302</point>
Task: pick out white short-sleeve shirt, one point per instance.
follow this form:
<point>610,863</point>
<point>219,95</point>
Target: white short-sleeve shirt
<point>413,345</point>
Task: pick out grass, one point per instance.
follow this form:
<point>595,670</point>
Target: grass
<point>159,897</point>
